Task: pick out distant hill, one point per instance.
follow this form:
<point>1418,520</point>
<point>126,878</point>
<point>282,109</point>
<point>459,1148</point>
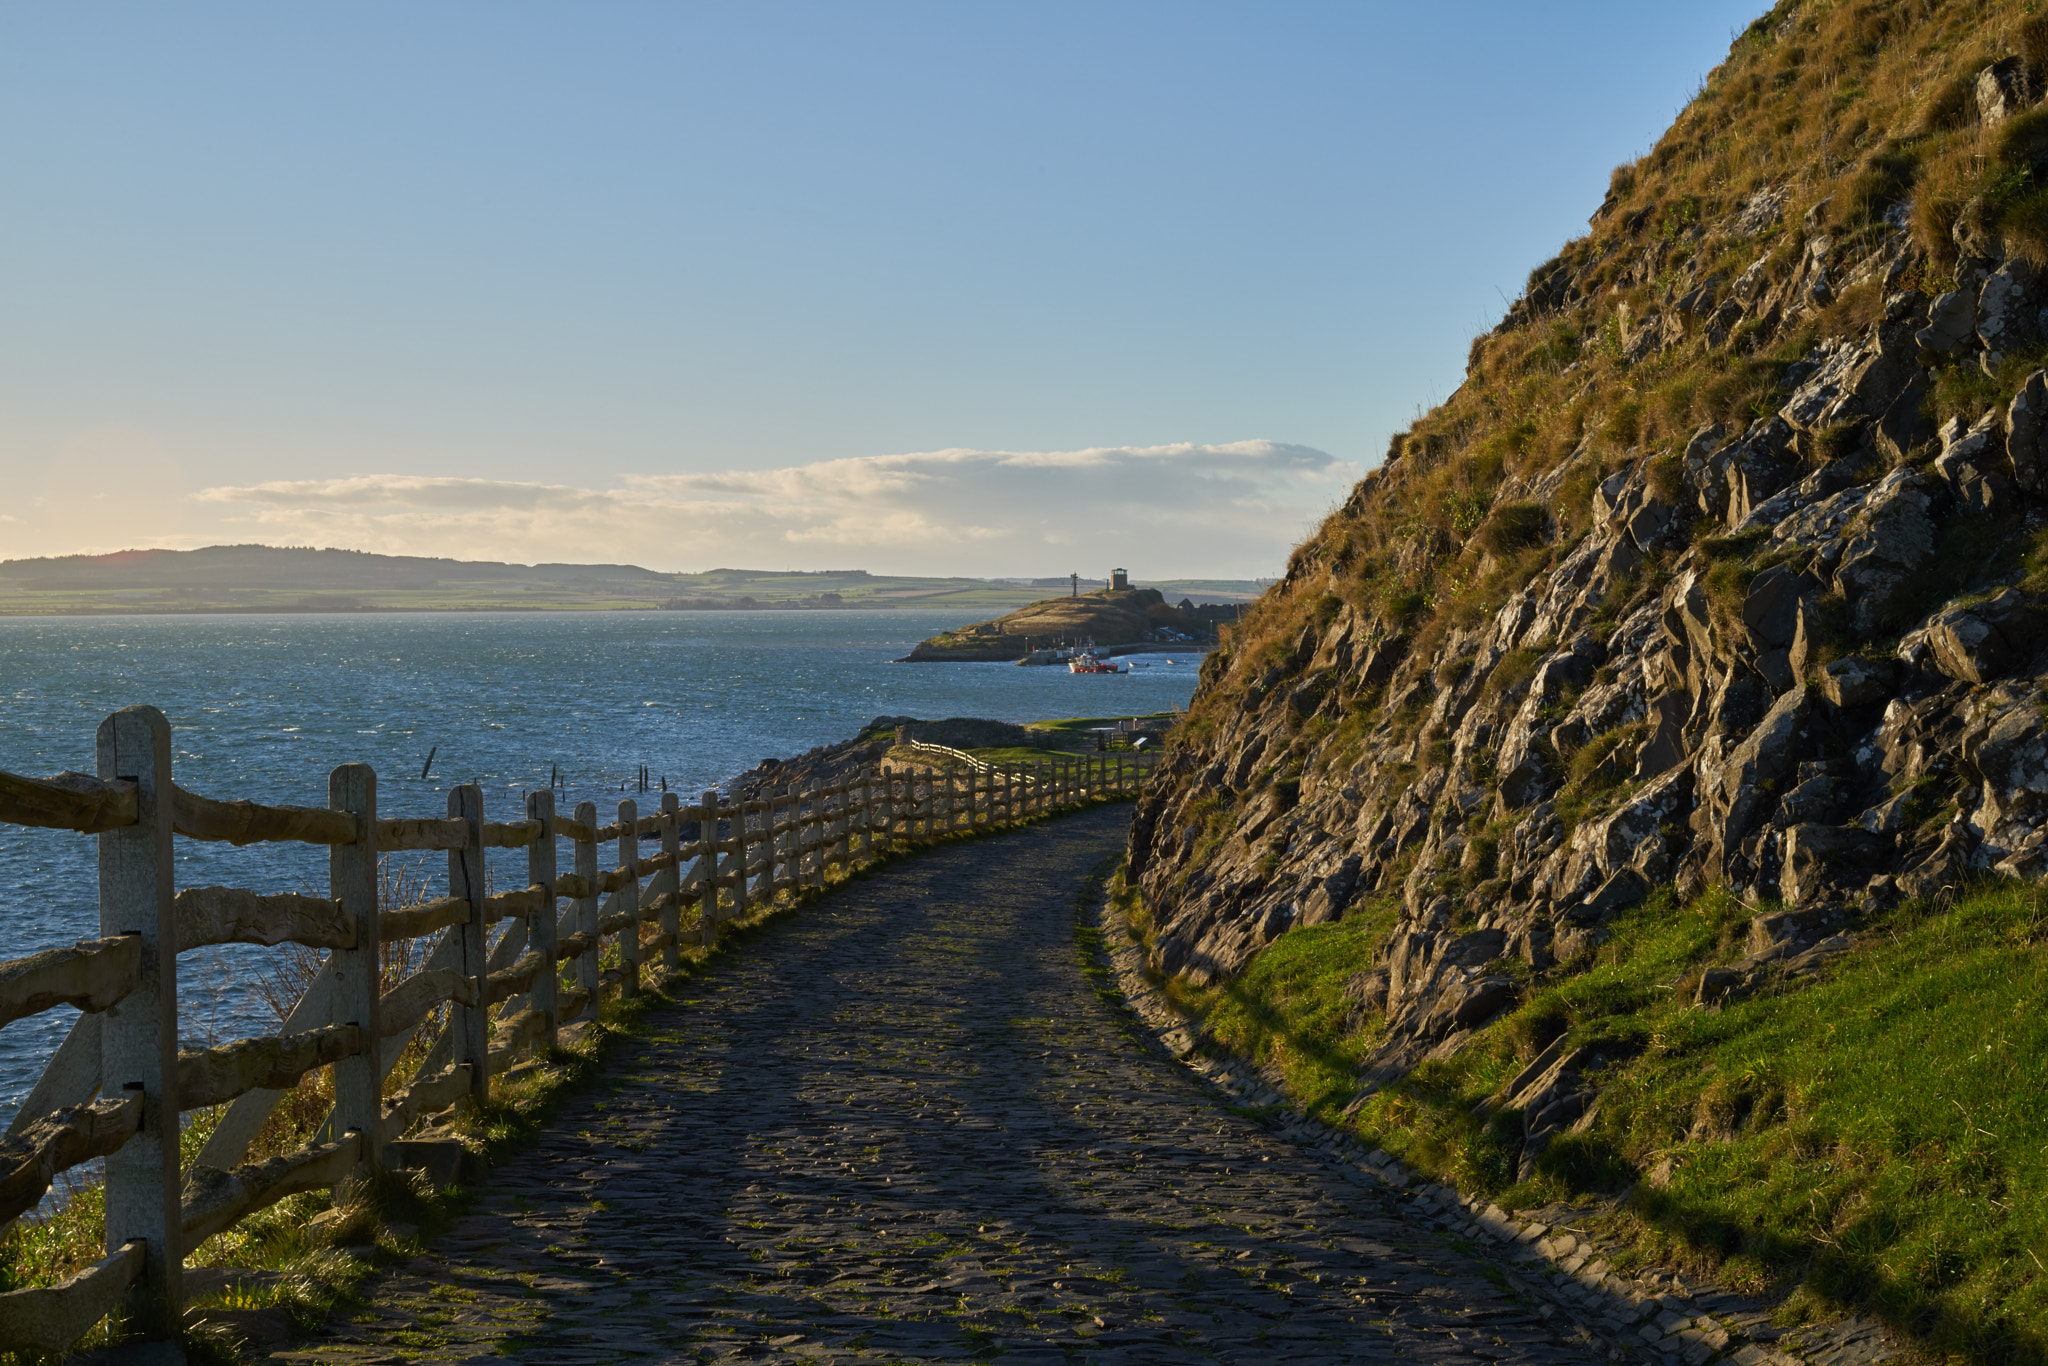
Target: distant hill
<point>292,567</point>
<point>261,578</point>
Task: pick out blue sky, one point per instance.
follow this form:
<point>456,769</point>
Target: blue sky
<point>968,288</point>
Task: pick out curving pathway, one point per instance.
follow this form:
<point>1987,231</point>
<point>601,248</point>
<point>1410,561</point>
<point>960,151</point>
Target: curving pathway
<point>910,1124</point>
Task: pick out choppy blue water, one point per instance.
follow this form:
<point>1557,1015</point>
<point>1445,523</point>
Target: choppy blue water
<point>262,707</point>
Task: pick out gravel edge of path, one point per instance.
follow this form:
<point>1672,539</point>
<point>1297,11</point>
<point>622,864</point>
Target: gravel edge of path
<point>1565,1278</point>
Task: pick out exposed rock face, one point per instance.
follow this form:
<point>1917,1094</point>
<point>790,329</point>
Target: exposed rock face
<point>1793,657</point>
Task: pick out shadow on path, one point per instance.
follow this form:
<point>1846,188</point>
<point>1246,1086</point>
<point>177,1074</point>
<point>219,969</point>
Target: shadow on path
<point>903,1126</point>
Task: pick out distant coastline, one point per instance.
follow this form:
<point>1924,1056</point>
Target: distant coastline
<point>253,579</point>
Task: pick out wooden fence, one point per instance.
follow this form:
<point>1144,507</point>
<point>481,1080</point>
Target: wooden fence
<point>116,1087</point>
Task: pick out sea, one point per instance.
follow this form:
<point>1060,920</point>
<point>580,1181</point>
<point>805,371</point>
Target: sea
<point>262,707</point>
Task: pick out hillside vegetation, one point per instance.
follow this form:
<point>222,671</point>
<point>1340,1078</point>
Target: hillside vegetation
<point>1637,788</point>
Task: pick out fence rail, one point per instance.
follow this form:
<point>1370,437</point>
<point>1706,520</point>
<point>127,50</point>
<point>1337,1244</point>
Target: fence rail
<point>115,1088</point>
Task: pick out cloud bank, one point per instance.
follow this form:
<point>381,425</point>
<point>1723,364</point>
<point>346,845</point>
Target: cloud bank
<point>1175,511</point>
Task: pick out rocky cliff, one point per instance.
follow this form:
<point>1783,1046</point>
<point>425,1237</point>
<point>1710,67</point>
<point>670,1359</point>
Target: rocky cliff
<point>1724,567</point>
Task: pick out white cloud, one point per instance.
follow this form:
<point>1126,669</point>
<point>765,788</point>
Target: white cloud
<point>1172,511</point>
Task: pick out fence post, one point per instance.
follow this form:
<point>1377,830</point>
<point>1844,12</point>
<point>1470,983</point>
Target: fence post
<point>358,973</point>
<point>778,842</point>
<point>867,817</point>
<point>739,858</point>
<point>629,894</point>
<point>670,925</point>
<point>707,862</point>
<point>139,1039</point>
<point>466,880</point>
<point>887,814</point>
<point>820,822</point>
<point>540,872</point>
<point>586,908</point>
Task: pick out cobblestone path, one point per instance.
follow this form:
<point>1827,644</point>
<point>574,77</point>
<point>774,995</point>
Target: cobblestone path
<point>906,1125</point>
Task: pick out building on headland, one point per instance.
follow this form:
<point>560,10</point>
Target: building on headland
<point>1118,580</point>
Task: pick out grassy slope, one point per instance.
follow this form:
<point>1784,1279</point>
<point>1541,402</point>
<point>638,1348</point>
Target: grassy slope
<point>1875,1140</point>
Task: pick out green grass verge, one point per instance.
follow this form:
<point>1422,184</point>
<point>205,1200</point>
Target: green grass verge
<point>1876,1140</point>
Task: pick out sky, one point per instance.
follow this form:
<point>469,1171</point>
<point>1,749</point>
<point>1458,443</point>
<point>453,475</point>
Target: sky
<point>946,288</point>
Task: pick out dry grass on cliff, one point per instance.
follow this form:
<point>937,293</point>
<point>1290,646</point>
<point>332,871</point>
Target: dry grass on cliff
<point>1854,109</point>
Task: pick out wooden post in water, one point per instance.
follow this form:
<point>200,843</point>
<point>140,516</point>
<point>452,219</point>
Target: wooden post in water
<point>543,926</point>
<point>352,881</point>
<point>670,926</point>
<point>586,907</point>
<point>471,1023</point>
<point>139,1033</point>
<point>707,865</point>
<point>629,898</point>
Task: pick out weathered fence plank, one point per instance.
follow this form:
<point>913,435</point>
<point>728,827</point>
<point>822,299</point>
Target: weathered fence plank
<point>57,1142</point>
<point>51,1318</point>
<point>68,801</point>
<point>217,1199</point>
<point>91,975</point>
<point>230,915</point>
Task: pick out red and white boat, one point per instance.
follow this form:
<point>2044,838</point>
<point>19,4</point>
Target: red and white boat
<point>1085,662</point>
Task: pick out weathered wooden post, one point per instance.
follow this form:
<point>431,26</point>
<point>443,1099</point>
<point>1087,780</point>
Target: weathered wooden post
<point>629,897</point>
<point>540,872</point>
<point>139,1036</point>
<point>887,814</point>
<point>587,904</point>
<point>781,819</point>
<point>352,881</point>
<point>821,835</point>
<point>740,890</point>
<point>867,815</point>
<point>841,830</point>
<point>707,865</point>
<point>670,926</point>
<point>472,1023</point>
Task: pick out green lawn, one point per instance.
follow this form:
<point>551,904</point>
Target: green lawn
<point>1875,1140</point>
